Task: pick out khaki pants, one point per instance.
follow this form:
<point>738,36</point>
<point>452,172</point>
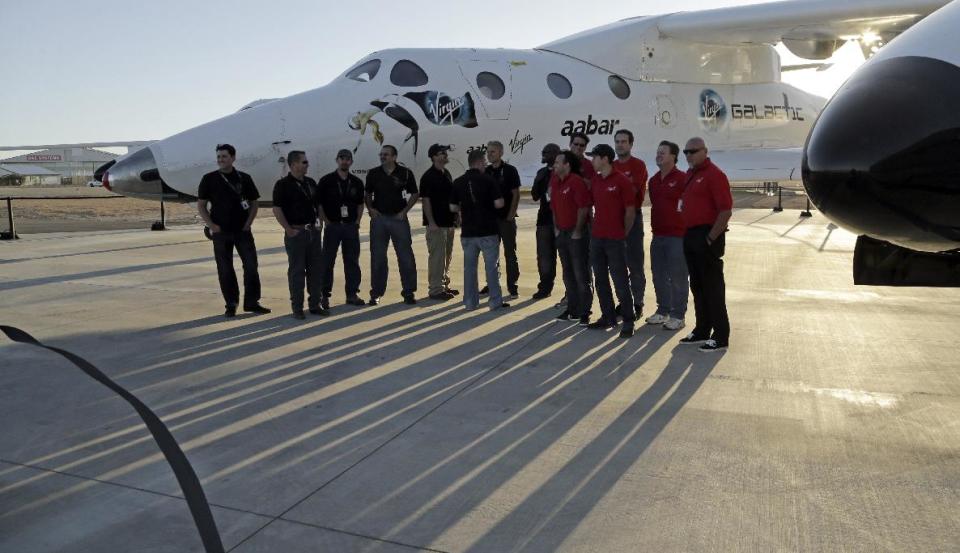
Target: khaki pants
<point>440,251</point>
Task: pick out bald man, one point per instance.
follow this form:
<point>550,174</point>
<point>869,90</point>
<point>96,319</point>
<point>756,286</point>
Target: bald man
<point>706,206</point>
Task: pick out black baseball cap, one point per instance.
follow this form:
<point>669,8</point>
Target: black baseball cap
<point>345,153</point>
<point>436,149</point>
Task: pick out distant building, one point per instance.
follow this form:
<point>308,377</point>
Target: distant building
<point>75,166</point>
<point>22,174</point>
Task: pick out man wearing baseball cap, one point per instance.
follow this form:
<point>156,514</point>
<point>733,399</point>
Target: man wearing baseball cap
<point>435,187</point>
<point>614,201</point>
<point>341,209</point>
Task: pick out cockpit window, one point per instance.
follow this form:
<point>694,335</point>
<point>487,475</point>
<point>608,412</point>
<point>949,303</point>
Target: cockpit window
<point>407,73</point>
<point>559,85</point>
<point>365,72</point>
<point>491,85</point>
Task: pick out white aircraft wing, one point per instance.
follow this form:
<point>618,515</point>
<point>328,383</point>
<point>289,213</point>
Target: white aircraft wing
<point>814,20</point>
<point>761,165</point>
<point>127,144</point>
<point>811,29</point>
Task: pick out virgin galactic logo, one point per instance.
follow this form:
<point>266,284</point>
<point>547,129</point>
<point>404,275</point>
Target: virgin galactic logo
<point>713,110</point>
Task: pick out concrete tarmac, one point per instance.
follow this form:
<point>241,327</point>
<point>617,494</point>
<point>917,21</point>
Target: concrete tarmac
<point>831,424</point>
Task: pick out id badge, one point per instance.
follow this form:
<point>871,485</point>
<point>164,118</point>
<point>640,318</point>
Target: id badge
<point>548,196</point>
<point>406,195</point>
<point>245,204</point>
<point>344,212</point>
<point>680,205</point>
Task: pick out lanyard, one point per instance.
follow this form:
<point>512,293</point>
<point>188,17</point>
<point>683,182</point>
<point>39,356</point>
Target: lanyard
<point>305,189</point>
<point>237,188</point>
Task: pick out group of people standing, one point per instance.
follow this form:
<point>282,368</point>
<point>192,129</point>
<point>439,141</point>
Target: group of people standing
<point>589,218</point>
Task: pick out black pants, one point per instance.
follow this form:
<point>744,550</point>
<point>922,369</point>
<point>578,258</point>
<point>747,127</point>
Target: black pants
<point>346,237</point>
<point>508,237</point>
<point>304,254</point>
<point>705,265</point>
<point>575,262</point>
<point>224,243</point>
<point>546,258</point>
<point>609,261</point>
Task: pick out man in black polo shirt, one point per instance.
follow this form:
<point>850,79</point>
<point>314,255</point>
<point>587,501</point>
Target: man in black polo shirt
<point>295,203</point>
<point>508,179</point>
<point>391,191</point>
<point>341,208</point>
<point>477,197</point>
<point>233,207</point>
<point>546,240</point>
<point>435,186</point>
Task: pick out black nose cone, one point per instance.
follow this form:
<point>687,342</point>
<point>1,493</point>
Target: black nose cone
<point>883,158</point>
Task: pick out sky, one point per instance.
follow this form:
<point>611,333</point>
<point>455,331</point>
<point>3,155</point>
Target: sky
<point>87,70</point>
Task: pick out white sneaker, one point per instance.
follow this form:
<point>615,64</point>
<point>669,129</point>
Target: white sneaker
<point>673,324</point>
<point>657,319</point>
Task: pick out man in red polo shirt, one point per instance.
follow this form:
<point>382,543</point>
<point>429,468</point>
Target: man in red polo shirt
<point>614,213</point>
<point>570,203</point>
<point>636,171</point>
<point>667,263</point>
<point>578,145</point>
<point>706,206</point>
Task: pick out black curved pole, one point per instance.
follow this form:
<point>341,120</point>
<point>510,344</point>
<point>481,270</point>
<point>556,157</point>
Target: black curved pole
<point>189,483</point>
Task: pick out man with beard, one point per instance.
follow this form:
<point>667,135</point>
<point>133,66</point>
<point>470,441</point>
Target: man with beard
<point>341,209</point>
<point>391,191</point>
<point>435,187</point>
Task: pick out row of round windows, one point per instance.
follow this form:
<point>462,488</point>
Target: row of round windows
<point>407,73</point>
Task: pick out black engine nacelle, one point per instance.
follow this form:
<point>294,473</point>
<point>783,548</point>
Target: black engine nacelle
<point>879,263</point>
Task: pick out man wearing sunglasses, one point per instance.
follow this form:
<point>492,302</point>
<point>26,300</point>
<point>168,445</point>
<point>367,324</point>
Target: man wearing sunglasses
<point>546,241</point>
<point>578,145</point>
<point>706,206</point>
<point>296,201</point>
<point>227,202</point>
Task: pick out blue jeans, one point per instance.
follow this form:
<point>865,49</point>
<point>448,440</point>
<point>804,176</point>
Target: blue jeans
<point>638,281</point>
<point>472,248</point>
<point>383,229</point>
<point>609,261</point>
<point>669,267</point>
